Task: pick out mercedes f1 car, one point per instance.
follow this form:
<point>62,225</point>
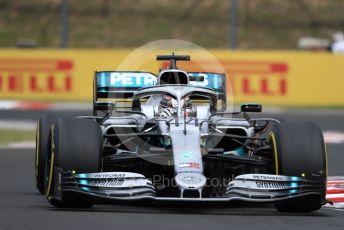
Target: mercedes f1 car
<point>168,137</point>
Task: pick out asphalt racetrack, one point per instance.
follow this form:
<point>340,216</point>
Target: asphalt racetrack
<point>21,206</point>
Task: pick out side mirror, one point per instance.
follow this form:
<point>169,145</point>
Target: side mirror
<point>104,106</point>
<point>251,108</point>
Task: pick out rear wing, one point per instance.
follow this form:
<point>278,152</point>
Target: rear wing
<point>216,81</point>
<point>119,85</point>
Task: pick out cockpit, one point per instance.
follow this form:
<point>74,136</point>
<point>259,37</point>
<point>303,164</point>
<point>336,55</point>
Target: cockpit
<point>172,101</point>
<point>168,107</point>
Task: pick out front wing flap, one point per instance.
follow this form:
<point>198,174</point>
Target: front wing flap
<point>262,188</point>
<point>272,187</point>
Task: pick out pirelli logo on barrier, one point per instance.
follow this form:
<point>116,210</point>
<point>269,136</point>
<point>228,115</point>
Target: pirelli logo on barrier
<point>249,78</point>
<point>270,78</point>
<point>35,77</point>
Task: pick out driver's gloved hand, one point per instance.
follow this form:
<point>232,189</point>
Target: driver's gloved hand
<point>168,112</point>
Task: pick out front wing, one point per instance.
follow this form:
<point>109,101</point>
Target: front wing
<point>262,188</point>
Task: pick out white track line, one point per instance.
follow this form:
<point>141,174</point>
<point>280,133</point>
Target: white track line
<point>333,137</point>
<point>20,145</point>
<point>18,125</point>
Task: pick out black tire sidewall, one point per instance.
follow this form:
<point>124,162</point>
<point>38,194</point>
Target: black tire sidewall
<point>42,149</point>
<point>77,147</point>
<point>300,148</point>
<point>301,151</point>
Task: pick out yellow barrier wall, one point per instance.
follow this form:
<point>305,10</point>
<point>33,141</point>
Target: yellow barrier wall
<point>271,78</point>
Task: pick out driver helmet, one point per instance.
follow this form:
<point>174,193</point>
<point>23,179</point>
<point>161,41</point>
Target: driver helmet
<point>169,106</point>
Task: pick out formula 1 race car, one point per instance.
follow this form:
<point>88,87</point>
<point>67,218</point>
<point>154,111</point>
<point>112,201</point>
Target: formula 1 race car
<point>168,137</point>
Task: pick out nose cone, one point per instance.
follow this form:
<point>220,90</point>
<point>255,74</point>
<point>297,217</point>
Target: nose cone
<point>194,181</point>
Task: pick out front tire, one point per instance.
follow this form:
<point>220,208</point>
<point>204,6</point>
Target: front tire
<point>299,150</point>
<point>76,145</point>
<point>42,149</point>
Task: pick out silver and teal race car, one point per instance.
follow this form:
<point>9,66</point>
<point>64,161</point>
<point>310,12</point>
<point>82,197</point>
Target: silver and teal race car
<point>168,137</point>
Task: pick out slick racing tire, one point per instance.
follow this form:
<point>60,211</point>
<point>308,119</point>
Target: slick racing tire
<point>42,148</point>
<point>76,146</point>
<point>299,150</point>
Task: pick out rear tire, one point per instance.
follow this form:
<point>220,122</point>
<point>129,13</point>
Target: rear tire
<point>42,148</point>
<point>299,149</point>
<point>76,145</point>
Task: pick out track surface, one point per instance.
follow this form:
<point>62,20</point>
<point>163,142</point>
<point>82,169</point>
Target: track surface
<point>21,207</point>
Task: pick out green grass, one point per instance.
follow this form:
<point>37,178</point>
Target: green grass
<point>263,24</point>
<point>11,136</point>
